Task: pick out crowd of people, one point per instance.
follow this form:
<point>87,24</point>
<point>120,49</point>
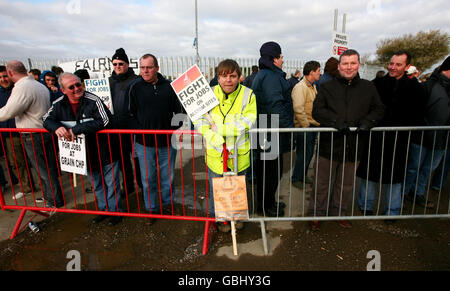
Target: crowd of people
<point>338,98</point>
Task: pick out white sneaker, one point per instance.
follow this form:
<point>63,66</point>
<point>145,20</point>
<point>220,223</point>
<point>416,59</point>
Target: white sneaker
<point>18,195</point>
<point>39,200</point>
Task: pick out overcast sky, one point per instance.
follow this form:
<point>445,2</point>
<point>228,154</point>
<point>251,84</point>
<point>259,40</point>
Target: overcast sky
<point>232,28</point>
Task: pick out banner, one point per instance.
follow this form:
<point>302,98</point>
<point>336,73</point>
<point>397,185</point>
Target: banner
<point>194,93</point>
<point>230,198</point>
<point>97,67</point>
<point>100,87</point>
<point>72,155</point>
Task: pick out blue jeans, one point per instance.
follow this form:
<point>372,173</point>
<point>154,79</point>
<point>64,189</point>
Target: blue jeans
<point>211,175</point>
<point>393,201</point>
<point>41,155</point>
<point>152,163</point>
<point>303,157</point>
<point>422,160</point>
<point>107,189</point>
<point>438,181</point>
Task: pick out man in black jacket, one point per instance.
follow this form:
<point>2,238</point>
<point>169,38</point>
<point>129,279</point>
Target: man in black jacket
<point>274,102</point>
<point>425,157</point>
<point>121,77</point>
<point>153,104</point>
<point>249,80</point>
<point>79,112</point>
<point>404,100</point>
<point>343,102</point>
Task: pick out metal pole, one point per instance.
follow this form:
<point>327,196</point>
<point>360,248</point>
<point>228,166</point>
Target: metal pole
<point>344,20</point>
<point>197,57</point>
<point>30,66</point>
<point>335,19</point>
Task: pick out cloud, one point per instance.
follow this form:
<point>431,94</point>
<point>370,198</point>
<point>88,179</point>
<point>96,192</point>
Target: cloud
<point>235,28</point>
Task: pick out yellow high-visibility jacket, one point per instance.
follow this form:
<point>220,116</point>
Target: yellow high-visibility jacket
<point>235,114</point>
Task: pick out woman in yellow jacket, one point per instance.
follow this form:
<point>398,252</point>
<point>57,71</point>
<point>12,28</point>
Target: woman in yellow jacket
<point>233,117</point>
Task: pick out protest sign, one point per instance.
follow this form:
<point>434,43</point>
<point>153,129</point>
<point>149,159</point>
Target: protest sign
<point>100,87</point>
<point>230,198</point>
<point>72,155</point>
<point>194,93</point>
<point>340,43</point>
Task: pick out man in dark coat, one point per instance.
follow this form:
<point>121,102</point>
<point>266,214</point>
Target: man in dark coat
<point>343,102</point>
<point>425,157</point>
<point>49,79</point>
<point>80,112</point>
<point>121,77</point>
<point>249,80</point>
<point>274,103</point>
<point>404,100</point>
<point>153,104</point>
<point>295,78</point>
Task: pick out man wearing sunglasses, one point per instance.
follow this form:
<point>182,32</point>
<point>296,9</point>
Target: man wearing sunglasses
<point>121,77</point>
<point>81,112</point>
<point>28,103</point>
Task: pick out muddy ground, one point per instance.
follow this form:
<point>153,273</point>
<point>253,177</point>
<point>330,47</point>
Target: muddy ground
<point>173,245</point>
<point>176,246</point>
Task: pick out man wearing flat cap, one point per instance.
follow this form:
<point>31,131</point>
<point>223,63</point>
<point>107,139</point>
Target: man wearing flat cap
<point>121,77</point>
<point>274,107</point>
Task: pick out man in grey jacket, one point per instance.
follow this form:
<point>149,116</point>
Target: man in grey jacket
<point>28,103</point>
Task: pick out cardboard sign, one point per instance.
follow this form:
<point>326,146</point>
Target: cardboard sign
<point>72,155</point>
<point>194,93</point>
<point>340,43</point>
<point>100,87</point>
<point>230,198</point>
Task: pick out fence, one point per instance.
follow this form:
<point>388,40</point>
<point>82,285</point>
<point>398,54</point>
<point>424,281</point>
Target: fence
<point>189,193</point>
<point>173,67</point>
<point>36,148</point>
<point>415,155</point>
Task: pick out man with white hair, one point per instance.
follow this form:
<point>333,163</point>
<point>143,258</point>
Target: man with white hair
<point>80,112</point>
<point>28,103</point>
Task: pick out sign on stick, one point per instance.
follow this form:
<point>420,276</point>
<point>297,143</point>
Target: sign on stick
<point>194,93</point>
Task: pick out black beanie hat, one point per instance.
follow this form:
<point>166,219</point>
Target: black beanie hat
<point>268,52</point>
<point>120,55</point>
<point>83,74</point>
<point>445,65</point>
<point>271,49</point>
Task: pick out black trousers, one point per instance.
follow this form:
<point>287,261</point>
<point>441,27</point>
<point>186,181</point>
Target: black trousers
<point>127,168</point>
<point>268,176</point>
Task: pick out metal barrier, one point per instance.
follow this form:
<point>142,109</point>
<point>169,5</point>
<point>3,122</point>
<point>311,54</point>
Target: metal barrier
<point>188,192</point>
<point>392,143</point>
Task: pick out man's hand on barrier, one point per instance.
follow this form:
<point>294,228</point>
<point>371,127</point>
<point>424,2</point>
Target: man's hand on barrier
<point>343,129</point>
<point>63,133</point>
<point>363,128</point>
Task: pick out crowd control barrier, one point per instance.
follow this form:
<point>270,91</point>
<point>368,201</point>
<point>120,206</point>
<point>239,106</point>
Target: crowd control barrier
<point>25,148</point>
<point>411,151</point>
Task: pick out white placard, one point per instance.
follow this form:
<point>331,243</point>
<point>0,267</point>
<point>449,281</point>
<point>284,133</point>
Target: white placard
<point>72,155</point>
<point>340,43</point>
<point>100,87</point>
<point>194,93</point>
